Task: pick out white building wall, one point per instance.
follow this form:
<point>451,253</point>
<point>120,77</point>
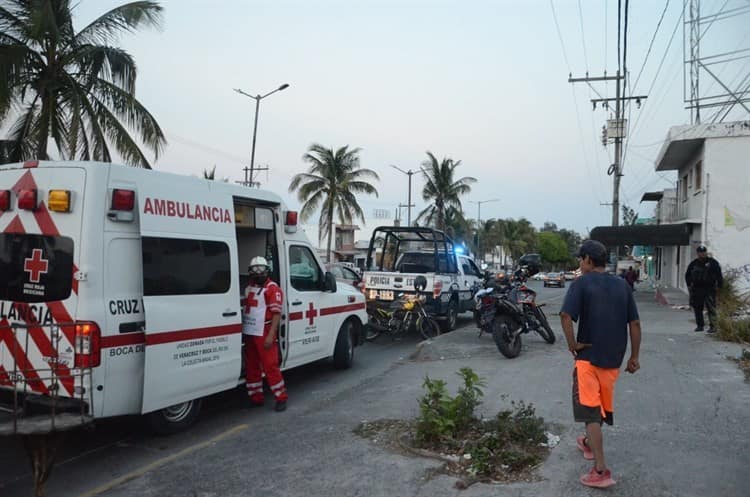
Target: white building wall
<point>727,212</point>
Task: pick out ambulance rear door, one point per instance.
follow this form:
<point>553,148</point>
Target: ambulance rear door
<point>190,288</point>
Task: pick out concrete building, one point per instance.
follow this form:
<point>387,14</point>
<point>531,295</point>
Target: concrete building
<point>712,198</point>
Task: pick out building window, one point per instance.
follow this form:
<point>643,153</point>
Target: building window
<point>699,175</point>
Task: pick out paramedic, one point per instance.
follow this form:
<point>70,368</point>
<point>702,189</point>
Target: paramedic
<point>261,315</point>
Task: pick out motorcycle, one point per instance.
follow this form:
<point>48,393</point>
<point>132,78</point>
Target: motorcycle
<point>508,311</point>
<point>407,312</point>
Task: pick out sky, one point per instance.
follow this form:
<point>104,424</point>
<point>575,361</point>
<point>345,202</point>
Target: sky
<point>483,82</point>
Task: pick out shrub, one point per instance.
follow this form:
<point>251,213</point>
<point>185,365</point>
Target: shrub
<point>731,325</point>
<point>442,416</point>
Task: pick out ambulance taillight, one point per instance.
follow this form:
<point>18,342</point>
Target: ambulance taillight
<point>122,205</point>
<point>27,199</point>
<point>4,200</point>
<point>87,345</point>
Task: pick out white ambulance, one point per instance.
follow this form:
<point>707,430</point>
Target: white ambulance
<point>120,291</point>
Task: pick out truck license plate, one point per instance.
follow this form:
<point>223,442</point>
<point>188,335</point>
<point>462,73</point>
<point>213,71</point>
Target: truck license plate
<point>381,294</point>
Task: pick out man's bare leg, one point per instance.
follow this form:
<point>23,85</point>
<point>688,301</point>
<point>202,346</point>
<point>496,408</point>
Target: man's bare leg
<point>595,442</point>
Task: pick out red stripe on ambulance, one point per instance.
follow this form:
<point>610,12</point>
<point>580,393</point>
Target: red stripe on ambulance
<point>123,340</point>
<point>182,335</point>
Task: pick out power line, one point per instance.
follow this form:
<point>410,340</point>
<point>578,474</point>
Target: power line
<point>583,37</point>
<point>559,35</point>
<point>650,45</point>
<point>575,105</point>
<point>661,64</point>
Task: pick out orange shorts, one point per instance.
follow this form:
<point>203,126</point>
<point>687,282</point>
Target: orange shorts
<point>593,393</point>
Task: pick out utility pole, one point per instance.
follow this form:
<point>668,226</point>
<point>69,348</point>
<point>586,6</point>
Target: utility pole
<point>409,173</point>
<point>250,180</point>
<point>479,220</point>
<point>615,130</point>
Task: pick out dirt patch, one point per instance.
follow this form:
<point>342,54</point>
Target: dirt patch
<point>479,456</point>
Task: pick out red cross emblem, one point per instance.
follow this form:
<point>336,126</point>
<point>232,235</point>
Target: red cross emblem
<point>36,266</point>
<point>251,302</point>
<point>311,313</point>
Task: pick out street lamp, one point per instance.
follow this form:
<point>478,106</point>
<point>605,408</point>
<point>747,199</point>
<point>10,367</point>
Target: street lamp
<point>257,99</point>
<point>479,217</point>
<point>409,205</point>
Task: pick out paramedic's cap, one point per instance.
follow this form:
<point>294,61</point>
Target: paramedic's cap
<point>592,248</point>
<point>702,249</point>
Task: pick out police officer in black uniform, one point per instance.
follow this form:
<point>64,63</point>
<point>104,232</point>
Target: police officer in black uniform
<point>703,277</point>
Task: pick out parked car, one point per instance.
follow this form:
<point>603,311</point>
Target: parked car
<point>539,276</point>
<point>344,274</point>
<point>570,275</point>
<point>555,279</point>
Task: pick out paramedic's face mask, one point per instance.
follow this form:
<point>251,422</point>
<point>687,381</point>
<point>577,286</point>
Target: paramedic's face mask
<point>258,274</point>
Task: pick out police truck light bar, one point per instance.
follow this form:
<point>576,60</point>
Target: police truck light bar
<point>27,200</point>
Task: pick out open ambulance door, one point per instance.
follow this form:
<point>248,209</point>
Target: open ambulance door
<point>190,293</point>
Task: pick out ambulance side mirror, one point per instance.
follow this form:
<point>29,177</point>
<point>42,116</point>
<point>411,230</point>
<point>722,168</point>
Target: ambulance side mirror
<point>329,282</point>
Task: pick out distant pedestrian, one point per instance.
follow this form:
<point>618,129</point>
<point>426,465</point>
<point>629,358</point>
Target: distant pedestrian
<point>630,277</point>
<point>604,309</point>
<point>703,278</point>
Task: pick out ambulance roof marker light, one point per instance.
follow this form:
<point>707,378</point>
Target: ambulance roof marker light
<point>5,204</point>
<point>290,221</point>
<point>122,205</point>
<point>58,200</point>
<point>27,199</point>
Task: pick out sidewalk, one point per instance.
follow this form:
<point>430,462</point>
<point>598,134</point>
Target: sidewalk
<point>681,425</point>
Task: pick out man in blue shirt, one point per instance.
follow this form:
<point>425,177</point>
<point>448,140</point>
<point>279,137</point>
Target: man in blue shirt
<point>603,306</point>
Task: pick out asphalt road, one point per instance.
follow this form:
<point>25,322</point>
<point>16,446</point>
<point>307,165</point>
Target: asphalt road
<point>91,461</point>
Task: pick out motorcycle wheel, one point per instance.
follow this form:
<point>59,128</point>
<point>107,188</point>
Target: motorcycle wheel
<point>508,343</point>
<point>428,327</point>
<point>544,328</point>
<point>372,331</point>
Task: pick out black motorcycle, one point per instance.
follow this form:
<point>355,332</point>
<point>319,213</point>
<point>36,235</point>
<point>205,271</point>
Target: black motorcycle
<point>509,310</point>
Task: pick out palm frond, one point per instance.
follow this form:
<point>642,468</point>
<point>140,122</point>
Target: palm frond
<point>125,18</point>
<point>128,109</point>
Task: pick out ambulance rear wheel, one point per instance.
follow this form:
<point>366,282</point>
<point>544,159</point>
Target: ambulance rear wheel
<point>343,353</point>
<point>174,419</point>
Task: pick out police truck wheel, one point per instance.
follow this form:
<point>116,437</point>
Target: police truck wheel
<point>343,353</point>
<point>174,419</point>
<point>451,317</point>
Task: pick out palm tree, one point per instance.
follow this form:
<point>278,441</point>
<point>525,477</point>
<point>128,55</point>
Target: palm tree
<point>331,182</point>
<point>73,86</point>
<point>442,189</point>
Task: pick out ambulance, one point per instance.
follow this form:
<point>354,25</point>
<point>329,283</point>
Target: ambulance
<point>120,292</point>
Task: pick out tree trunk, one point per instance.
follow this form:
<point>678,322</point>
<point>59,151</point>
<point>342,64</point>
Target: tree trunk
<point>330,235</point>
<point>41,148</point>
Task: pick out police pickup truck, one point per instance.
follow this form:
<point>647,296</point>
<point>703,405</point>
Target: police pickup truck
<point>397,255</point>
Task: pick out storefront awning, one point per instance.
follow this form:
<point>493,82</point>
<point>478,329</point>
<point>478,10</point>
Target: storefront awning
<point>658,235</point>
